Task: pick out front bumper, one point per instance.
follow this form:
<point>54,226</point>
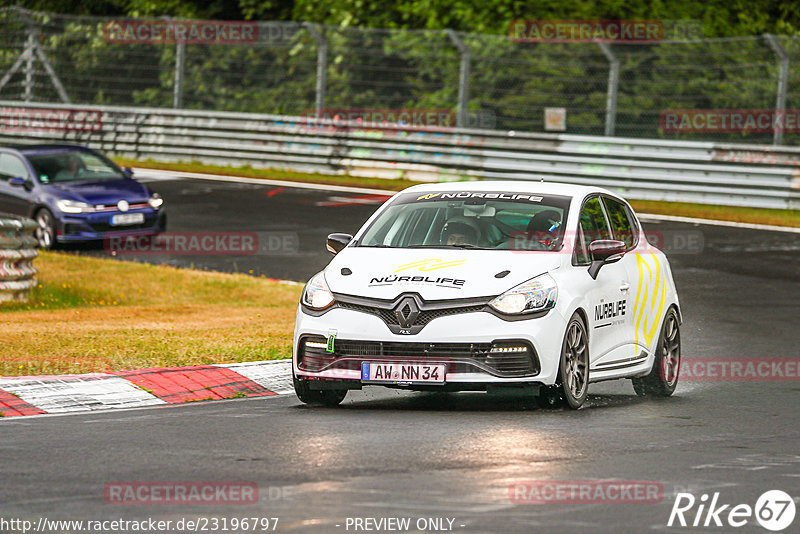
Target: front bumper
<point>97,226</point>
<point>462,342</point>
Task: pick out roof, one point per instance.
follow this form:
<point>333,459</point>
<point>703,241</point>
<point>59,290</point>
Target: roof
<point>44,148</point>
<point>513,186</point>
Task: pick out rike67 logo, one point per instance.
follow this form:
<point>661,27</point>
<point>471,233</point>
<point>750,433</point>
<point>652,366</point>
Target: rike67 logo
<point>774,510</point>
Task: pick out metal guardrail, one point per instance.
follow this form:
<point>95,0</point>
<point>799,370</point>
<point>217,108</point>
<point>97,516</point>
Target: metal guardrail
<point>652,169</point>
<point>17,242</point>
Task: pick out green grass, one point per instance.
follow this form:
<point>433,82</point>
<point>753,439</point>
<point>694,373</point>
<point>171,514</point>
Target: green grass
<point>724,213</point>
<point>684,209</point>
<point>97,314</point>
<point>272,174</point>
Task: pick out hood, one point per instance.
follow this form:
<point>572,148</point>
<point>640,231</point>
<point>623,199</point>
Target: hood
<point>434,273</point>
<point>104,191</point>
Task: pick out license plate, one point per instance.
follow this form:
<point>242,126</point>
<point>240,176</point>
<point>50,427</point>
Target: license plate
<point>394,372</point>
<point>127,218</point>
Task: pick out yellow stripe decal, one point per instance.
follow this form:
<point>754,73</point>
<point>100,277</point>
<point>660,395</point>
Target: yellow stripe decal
<point>651,296</point>
<point>429,265</point>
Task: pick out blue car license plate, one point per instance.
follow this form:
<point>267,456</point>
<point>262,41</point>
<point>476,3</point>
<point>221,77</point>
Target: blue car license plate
<point>126,219</point>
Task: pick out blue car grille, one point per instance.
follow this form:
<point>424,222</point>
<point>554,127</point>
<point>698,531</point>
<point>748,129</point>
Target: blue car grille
<point>106,227</point>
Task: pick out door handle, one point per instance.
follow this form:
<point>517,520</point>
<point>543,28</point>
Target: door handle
<point>625,286</point>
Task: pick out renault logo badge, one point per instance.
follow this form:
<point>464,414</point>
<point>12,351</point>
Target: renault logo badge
<point>406,312</point>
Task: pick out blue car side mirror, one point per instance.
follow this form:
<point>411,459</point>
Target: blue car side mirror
<point>18,181</point>
<point>128,172</point>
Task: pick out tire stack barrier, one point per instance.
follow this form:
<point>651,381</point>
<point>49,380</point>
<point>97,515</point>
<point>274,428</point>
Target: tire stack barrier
<point>17,252</point>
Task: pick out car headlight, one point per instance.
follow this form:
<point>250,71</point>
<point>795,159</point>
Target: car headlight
<point>155,201</point>
<point>535,295</point>
<point>316,294</point>
<point>72,206</point>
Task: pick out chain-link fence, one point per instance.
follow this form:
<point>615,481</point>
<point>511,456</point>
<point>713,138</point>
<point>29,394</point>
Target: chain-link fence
<point>484,81</point>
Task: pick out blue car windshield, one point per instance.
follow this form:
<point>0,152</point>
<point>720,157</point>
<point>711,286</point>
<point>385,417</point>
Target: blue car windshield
<point>73,166</point>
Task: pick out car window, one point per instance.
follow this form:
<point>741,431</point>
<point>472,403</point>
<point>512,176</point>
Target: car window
<point>489,220</point>
<point>69,165</point>
<point>12,167</point>
<point>593,226</point>
<point>620,221</point>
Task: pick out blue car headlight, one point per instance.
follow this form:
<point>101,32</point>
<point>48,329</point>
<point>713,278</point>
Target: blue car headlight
<point>73,206</point>
<point>155,201</point>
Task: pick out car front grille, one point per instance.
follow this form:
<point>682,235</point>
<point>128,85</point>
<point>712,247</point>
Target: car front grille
<point>495,358</point>
<point>408,313</point>
<point>424,317</point>
<point>106,227</point>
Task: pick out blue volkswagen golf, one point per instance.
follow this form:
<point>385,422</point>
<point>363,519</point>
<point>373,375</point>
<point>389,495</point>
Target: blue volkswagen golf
<point>75,193</point>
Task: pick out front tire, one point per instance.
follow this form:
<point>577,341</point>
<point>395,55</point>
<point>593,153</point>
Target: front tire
<point>663,378</point>
<point>572,386</point>
<point>325,397</point>
<point>46,232</point>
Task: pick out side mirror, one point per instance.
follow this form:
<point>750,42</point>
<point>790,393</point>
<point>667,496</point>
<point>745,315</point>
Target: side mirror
<point>336,242</point>
<point>128,172</point>
<point>18,181</point>
<point>604,251</point>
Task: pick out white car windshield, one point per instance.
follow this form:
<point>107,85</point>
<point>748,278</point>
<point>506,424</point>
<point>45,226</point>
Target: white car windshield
<point>469,219</point>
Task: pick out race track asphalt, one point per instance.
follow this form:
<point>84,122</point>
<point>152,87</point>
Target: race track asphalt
<point>397,454</point>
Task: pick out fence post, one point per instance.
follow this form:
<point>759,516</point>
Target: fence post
<point>180,62</point>
<point>463,78</point>
<point>613,85</point>
<point>322,66</point>
<point>783,82</point>
<point>30,46</point>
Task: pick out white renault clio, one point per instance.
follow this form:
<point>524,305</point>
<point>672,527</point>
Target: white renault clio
<point>472,286</point>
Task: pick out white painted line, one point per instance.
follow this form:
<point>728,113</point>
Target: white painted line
<point>155,174</point>
<point>76,393</point>
<point>714,222</point>
<point>274,375</point>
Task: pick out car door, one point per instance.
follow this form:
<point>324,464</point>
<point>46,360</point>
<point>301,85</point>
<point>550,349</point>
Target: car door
<point>647,276</point>
<point>625,228</point>
<point>13,199</point>
<point>608,296</point>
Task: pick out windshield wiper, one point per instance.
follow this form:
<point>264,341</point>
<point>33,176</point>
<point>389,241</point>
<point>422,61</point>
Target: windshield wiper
<point>466,245</point>
<point>459,245</point>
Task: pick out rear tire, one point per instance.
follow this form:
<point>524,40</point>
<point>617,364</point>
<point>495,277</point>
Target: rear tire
<point>572,386</point>
<point>663,378</point>
<point>325,397</point>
